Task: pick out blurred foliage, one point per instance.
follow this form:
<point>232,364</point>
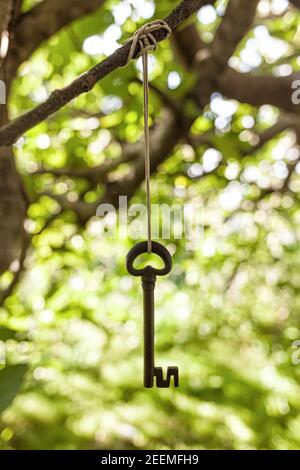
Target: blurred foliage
<point>228,313</point>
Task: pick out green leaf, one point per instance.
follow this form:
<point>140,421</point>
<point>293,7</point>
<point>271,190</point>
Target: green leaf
<point>11,379</point>
<point>6,333</point>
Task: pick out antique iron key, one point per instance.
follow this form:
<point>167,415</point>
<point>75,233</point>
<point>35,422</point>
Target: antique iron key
<point>148,275</point>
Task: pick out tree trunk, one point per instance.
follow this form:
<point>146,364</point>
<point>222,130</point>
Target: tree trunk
<point>12,204</point>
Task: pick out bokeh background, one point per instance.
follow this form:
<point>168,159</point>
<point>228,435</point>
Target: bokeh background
<point>227,315</point>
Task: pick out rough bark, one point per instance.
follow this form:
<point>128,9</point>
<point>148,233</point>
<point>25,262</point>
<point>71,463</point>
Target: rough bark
<point>12,209</point>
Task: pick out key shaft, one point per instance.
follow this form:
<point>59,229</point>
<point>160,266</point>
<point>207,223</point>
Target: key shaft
<point>148,283</point>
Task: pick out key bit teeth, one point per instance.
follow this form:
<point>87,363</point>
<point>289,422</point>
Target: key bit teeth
<point>173,372</point>
<point>165,383</point>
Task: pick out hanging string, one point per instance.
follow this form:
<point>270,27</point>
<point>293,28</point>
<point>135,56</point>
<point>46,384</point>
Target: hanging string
<point>147,43</point>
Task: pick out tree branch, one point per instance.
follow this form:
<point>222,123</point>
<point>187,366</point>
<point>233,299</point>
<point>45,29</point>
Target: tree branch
<point>163,95</point>
<point>41,22</point>
<point>187,43</point>
<point>283,123</point>
<point>210,60</point>
<point>5,9</point>
<point>296,3</point>
<point>258,90</point>
<point>84,83</point>
<point>165,135</point>
<point>12,209</point>
<point>97,174</point>
<point>237,21</point>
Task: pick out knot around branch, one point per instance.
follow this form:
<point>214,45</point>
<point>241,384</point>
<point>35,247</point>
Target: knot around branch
<point>145,39</point>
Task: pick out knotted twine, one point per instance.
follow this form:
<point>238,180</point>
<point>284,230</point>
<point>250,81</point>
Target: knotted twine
<point>146,41</point>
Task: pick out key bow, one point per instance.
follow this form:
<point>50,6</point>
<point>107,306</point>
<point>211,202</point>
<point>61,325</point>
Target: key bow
<point>141,248</point>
